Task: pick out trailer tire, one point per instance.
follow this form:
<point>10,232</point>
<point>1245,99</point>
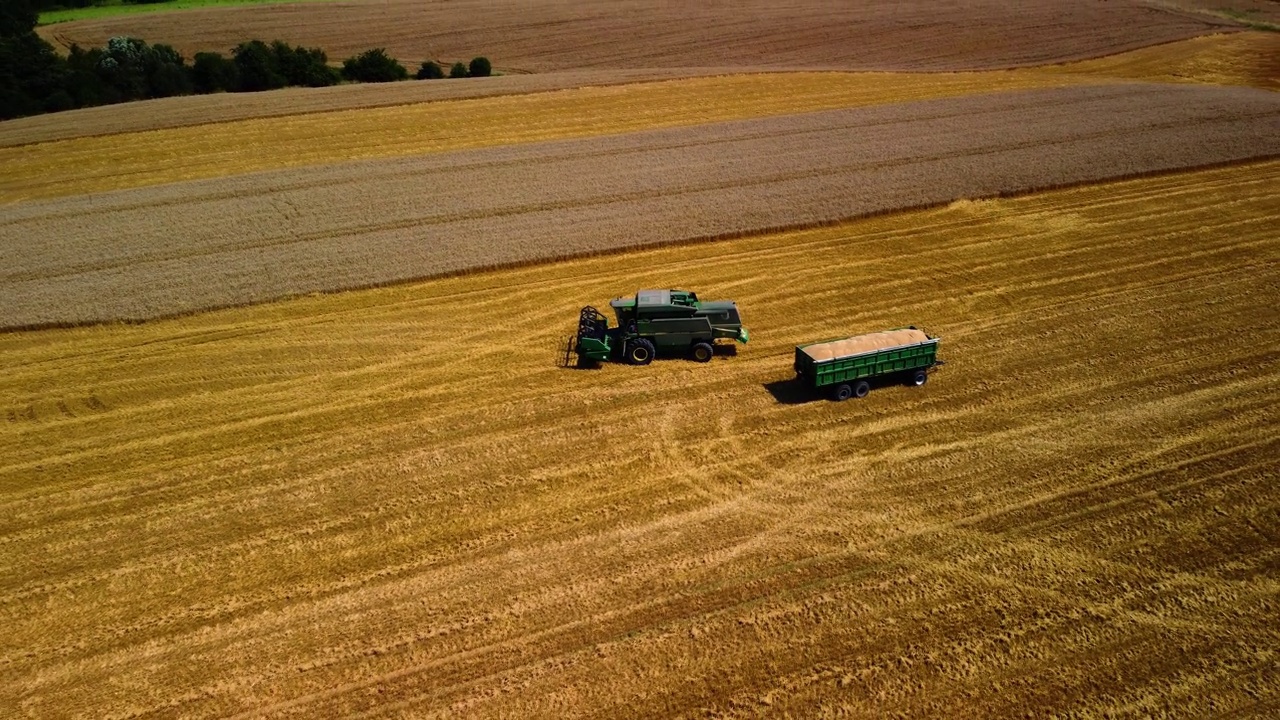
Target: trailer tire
<point>640,352</point>
<point>701,352</point>
<point>861,388</point>
<point>842,392</point>
<point>919,377</point>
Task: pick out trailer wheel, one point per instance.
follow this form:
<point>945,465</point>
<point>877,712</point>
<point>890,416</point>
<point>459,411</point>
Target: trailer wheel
<point>842,392</point>
<point>861,388</point>
<point>919,378</point>
<point>640,352</point>
<point>701,352</point>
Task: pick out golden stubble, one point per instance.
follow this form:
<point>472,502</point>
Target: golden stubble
<point>394,501</point>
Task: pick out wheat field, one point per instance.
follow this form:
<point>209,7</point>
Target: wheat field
<point>183,248</point>
<point>394,503</point>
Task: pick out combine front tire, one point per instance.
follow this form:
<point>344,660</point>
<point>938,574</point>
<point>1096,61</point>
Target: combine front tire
<point>640,352</point>
<point>701,352</point>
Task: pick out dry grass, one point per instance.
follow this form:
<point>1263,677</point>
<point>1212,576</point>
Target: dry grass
<point>393,503</point>
<point>551,35</point>
<point>1244,58</point>
<point>182,248</point>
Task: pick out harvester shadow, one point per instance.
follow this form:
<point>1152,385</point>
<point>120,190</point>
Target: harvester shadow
<point>791,392</point>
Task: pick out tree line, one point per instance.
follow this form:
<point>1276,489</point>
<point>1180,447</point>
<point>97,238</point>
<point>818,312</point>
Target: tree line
<point>35,79</point>
<point>42,5</point>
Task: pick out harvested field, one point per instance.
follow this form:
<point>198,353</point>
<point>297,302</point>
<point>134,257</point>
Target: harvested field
<point>551,35</point>
<point>1239,58</point>
<point>393,503</point>
<point>187,247</point>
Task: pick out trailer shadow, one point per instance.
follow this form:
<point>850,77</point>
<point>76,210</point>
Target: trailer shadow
<point>791,392</point>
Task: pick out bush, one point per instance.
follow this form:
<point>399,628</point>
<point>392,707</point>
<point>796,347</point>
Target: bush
<point>373,66</point>
<point>60,100</point>
<point>430,71</point>
<point>458,70</point>
<point>479,67</point>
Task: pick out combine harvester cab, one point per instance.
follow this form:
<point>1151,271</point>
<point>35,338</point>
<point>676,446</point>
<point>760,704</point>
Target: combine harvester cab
<point>845,367</point>
<point>652,323</point>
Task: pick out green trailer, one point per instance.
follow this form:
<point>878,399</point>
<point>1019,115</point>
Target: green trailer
<point>846,367</point>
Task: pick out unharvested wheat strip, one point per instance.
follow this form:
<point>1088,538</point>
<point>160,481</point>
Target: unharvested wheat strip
<point>96,164</point>
<point>148,253</point>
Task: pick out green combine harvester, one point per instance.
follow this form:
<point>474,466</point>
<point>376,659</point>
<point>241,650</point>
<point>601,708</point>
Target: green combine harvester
<point>846,367</point>
<point>655,322</point>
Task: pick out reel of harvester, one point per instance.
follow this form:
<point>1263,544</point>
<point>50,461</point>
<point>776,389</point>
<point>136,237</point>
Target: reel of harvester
<point>591,342</point>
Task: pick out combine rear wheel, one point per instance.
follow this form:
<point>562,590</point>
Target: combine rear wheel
<point>640,352</point>
<point>701,352</point>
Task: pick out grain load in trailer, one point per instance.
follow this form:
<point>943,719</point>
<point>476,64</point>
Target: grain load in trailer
<point>845,367</point>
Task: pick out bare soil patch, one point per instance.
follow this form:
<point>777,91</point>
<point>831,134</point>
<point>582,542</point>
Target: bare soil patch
<point>393,504</point>
<point>551,35</point>
<point>193,246</point>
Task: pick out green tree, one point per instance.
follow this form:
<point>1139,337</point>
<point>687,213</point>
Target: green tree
<point>257,67</point>
<point>373,66</point>
<point>211,72</point>
<point>166,72</point>
<point>84,82</point>
<point>17,17</point>
<point>430,71</point>
<point>479,67</point>
<point>123,67</point>
<point>31,73</point>
<point>304,67</point>
<point>458,70</point>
